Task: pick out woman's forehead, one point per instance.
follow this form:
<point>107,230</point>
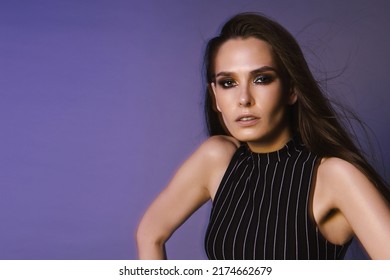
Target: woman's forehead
<point>243,55</point>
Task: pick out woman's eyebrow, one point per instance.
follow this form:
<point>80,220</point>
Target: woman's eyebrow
<point>264,69</point>
<point>258,70</point>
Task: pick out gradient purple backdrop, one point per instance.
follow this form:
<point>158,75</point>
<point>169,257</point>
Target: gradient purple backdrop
<point>100,102</point>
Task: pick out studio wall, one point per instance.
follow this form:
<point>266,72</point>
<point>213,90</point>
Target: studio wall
<point>101,101</point>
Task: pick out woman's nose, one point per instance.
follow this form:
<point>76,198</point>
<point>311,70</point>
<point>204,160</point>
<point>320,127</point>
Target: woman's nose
<point>246,98</point>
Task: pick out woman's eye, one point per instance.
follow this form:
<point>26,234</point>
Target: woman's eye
<point>227,83</point>
<point>263,79</point>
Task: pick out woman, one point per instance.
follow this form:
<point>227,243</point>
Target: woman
<point>285,178</point>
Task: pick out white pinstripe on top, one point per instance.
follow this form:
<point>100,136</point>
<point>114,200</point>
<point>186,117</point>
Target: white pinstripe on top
<point>261,208</point>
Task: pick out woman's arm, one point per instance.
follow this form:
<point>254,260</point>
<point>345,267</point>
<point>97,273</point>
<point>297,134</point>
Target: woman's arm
<point>361,204</point>
<point>193,184</point>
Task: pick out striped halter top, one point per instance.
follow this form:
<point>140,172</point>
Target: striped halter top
<point>261,209</point>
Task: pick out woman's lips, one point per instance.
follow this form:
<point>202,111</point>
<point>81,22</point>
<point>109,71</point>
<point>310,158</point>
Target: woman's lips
<point>247,120</point>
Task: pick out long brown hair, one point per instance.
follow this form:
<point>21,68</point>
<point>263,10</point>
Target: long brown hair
<point>313,118</point>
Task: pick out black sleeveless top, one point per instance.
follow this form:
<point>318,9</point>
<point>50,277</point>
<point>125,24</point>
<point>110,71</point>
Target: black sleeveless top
<point>261,208</point>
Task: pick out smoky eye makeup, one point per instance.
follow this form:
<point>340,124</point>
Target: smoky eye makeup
<point>226,83</point>
<point>264,78</point>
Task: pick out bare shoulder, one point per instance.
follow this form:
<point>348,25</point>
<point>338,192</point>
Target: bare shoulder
<point>219,147</point>
<point>335,162</point>
<point>216,153</point>
<point>213,155</point>
<point>339,176</point>
<point>344,183</point>
<point>337,166</point>
<point>335,170</point>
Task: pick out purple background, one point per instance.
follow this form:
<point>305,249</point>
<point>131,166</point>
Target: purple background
<point>100,102</point>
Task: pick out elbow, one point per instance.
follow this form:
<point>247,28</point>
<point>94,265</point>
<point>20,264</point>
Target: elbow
<point>149,240</point>
<point>146,235</point>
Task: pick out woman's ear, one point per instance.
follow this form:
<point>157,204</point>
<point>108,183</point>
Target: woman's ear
<point>211,90</point>
<point>292,94</point>
<point>292,97</point>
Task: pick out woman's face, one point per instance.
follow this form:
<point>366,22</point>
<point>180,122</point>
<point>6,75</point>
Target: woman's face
<point>250,96</point>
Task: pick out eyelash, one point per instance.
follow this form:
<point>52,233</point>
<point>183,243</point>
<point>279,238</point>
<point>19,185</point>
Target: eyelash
<point>228,83</point>
<point>264,79</point>
<point>260,80</point>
